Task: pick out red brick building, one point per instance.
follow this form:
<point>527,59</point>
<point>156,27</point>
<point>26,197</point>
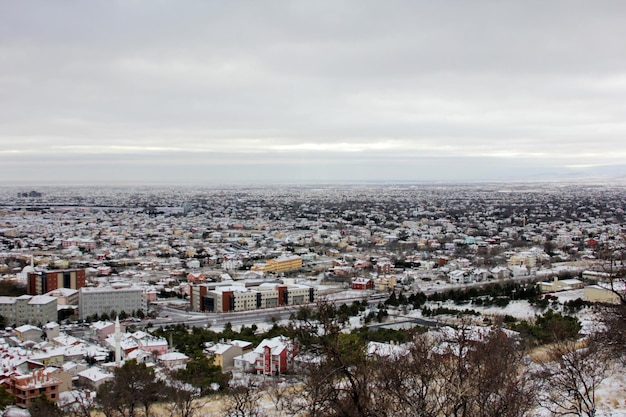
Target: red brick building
<point>362,284</point>
<point>41,282</point>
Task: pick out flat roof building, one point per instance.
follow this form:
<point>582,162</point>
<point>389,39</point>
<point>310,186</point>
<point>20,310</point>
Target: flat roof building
<point>28,309</point>
<point>41,282</point>
<point>239,298</point>
<point>107,300</point>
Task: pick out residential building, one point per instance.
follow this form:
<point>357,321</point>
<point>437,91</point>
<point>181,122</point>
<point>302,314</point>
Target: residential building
<point>362,284</point>
<point>94,377</point>
<point>41,282</point>
<point>28,309</point>
<point>274,356</point>
<point>173,360</point>
<point>223,354</point>
<point>27,387</point>
<point>101,300</point>
<point>29,332</point>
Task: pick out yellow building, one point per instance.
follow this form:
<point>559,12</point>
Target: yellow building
<point>385,283</point>
<point>598,294</point>
<point>560,285</point>
<point>278,265</point>
<point>261,267</point>
<point>285,263</point>
<point>223,354</point>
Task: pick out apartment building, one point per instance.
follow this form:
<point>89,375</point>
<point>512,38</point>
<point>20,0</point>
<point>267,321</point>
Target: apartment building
<point>27,387</point>
<point>41,282</point>
<point>28,309</point>
<point>101,300</point>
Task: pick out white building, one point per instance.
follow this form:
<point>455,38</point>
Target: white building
<point>28,309</point>
<point>101,300</point>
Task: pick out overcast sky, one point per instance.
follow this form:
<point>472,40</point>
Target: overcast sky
<point>232,91</point>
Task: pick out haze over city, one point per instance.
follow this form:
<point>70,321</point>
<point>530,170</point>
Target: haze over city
<point>228,92</point>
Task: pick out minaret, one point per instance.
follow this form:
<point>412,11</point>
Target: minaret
<point>118,342</point>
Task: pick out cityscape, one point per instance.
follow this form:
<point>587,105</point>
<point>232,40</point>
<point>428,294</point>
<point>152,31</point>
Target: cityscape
<point>107,275</point>
<point>321,208</point>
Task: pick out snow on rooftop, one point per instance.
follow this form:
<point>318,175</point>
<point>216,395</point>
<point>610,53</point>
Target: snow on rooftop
<point>95,374</point>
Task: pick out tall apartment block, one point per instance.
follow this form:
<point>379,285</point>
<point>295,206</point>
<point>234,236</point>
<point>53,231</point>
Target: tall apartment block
<point>41,282</point>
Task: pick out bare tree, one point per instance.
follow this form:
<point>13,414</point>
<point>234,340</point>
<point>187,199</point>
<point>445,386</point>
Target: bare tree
<point>339,381</point>
<point>570,376</point>
<point>242,400</point>
<point>281,396</point>
<point>613,336</point>
<point>472,373</point>
<point>183,400</point>
<point>81,404</point>
<point>413,381</point>
<point>500,385</point>
<point>613,262</point>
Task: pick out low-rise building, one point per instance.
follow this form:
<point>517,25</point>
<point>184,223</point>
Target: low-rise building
<point>601,294</point>
<point>94,377</point>
<point>173,360</point>
<point>274,356</point>
<point>561,285</point>
<point>362,284</point>
<point>29,332</point>
<point>27,387</point>
<point>223,354</point>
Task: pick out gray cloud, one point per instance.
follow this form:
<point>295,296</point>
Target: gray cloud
<point>495,88</point>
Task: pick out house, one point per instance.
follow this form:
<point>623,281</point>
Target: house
<point>94,377</point>
<point>150,343</point>
<point>273,356</point>
<point>245,362</point>
<point>104,329</point>
<point>52,330</point>
<point>173,360</point>
<point>386,350</point>
<point>223,354</point>
<point>65,377</point>
<point>479,275</point>
<point>458,277</point>
<point>362,284</point>
<point>500,272</point>
<point>29,333</point>
<point>196,277</point>
<point>385,282</point>
<point>27,387</point>
<point>384,267</point>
